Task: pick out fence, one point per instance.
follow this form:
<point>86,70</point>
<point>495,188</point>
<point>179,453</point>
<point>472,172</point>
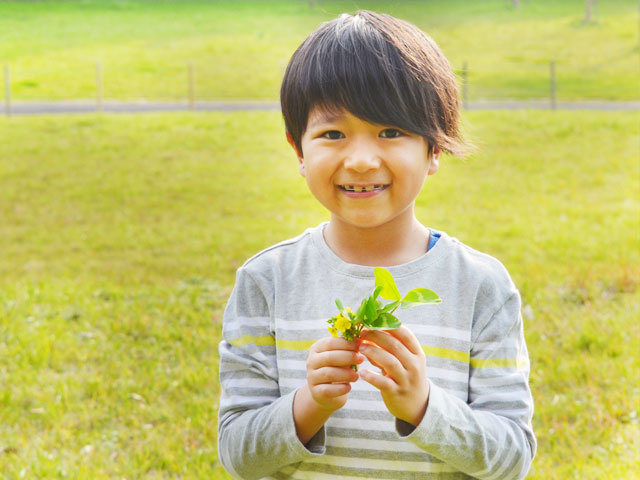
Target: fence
<point>533,81</point>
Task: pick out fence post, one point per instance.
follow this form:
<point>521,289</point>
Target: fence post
<point>99,87</point>
<point>465,90</point>
<point>552,72</point>
<point>7,91</point>
<point>191,86</point>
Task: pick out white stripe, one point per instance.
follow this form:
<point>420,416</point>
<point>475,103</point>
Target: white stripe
<point>291,383</point>
<point>309,475</point>
<point>439,331</point>
<point>496,397</point>
<point>505,465</point>
<point>290,364</point>
<point>281,323</point>
<point>417,329</point>
<point>489,346</point>
<point>490,382</point>
<point>517,470</point>
<point>370,444</point>
<point>432,372</point>
<point>256,322</point>
<point>359,424</point>
<point>518,413</point>
<point>249,402</point>
<point>447,375</point>
<point>500,440</point>
<point>250,383</point>
<point>365,405</point>
<point>378,464</point>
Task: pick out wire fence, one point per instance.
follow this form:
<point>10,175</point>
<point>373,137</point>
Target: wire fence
<point>189,83</point>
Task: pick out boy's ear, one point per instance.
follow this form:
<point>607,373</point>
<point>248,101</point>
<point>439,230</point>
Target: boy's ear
<point>298,154</point>
<point>293,145</point>
<point>435,161</point>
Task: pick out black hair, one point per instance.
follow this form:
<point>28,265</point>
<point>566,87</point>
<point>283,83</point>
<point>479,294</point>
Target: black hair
<point>379,68</point>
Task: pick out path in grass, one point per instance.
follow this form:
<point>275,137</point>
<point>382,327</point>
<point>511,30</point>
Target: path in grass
<point>34,108</point>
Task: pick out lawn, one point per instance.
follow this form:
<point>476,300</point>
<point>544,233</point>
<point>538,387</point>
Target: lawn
<point>239,48</point>
<point>121,235</point>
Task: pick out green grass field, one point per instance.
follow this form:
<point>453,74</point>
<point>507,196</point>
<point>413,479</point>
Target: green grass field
<point>239,48</point>
<point>120,236</point>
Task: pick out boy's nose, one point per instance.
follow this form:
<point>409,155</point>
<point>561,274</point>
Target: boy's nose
<point>362,158</point>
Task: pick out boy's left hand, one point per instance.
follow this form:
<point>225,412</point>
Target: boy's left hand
<point>403,383</point>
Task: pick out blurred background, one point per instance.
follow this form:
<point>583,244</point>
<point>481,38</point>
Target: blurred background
<point>120,233</point>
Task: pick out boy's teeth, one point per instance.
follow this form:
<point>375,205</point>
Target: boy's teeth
<point>369,188</point>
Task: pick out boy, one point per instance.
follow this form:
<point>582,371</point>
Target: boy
<point>369,102</point>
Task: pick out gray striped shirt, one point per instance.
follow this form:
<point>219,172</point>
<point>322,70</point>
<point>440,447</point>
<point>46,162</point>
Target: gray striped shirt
<point>478,422</point>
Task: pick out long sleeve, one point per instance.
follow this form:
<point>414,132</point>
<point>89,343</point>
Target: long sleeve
<point>256,432</point>
<point>490,437</point>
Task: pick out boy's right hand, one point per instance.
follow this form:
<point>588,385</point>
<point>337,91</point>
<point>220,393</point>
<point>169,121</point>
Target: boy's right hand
<point>329,371</point>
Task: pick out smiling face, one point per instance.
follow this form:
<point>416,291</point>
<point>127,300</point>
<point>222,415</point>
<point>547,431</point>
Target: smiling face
<point>365,174</point>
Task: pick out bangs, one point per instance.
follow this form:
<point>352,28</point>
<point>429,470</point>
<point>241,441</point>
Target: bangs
<point>358,73</point>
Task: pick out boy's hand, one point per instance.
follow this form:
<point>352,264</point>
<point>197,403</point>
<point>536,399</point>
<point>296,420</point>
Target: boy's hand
<point>329,371</point>
<point>403,384</point>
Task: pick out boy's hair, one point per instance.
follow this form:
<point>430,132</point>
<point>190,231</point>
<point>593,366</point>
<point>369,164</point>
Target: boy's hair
<point>380,69</point>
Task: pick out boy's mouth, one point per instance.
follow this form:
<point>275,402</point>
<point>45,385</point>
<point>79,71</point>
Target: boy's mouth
<point>362,188</point>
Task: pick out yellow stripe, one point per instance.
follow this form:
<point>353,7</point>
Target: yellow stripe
<point>446,353</point>
<point>246,339</point>
<point>439,352</point>
<point>518,363</point>
<point>294,344</point>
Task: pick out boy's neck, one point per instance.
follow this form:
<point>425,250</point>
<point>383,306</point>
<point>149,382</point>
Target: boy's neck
<point>394,243</point>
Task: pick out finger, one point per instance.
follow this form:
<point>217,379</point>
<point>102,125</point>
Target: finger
<point>384,360</point>
<point>379,381</point>
<point>332,390</point>
<point>334,358</point>
<point>333,343</point>
<point>389,343</point>
<point>331,375</point>
<point>407,338</point>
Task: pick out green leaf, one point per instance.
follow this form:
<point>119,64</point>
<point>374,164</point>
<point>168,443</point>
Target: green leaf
<point>420,296</point>
<point>385,280</point>
<point>370,309</point>
<point>377,291</point>
<point>339,305</point>
<point>386,321</point>
<point>362,310</point>
<point>389,306</point>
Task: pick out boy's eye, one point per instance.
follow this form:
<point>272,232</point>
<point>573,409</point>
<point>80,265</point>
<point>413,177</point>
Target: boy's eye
<point>390,133</point>
<point>333,135</point>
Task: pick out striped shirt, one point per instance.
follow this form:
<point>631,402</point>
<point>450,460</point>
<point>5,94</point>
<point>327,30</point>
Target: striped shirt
<point>478,422</point>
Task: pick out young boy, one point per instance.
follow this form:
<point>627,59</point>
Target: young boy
<point>369,103</point>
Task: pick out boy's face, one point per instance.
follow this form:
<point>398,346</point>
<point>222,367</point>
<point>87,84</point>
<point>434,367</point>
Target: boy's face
<point>365,174</point>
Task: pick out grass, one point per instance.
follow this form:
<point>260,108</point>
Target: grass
<point>239,49</point>
<point>121,235</point>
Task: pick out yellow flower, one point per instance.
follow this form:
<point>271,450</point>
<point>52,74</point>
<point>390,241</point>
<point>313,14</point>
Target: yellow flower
<point>342,323</point>
<point>334,331</point>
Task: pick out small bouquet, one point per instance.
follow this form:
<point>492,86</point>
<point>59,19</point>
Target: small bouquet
<point>373,314</point>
